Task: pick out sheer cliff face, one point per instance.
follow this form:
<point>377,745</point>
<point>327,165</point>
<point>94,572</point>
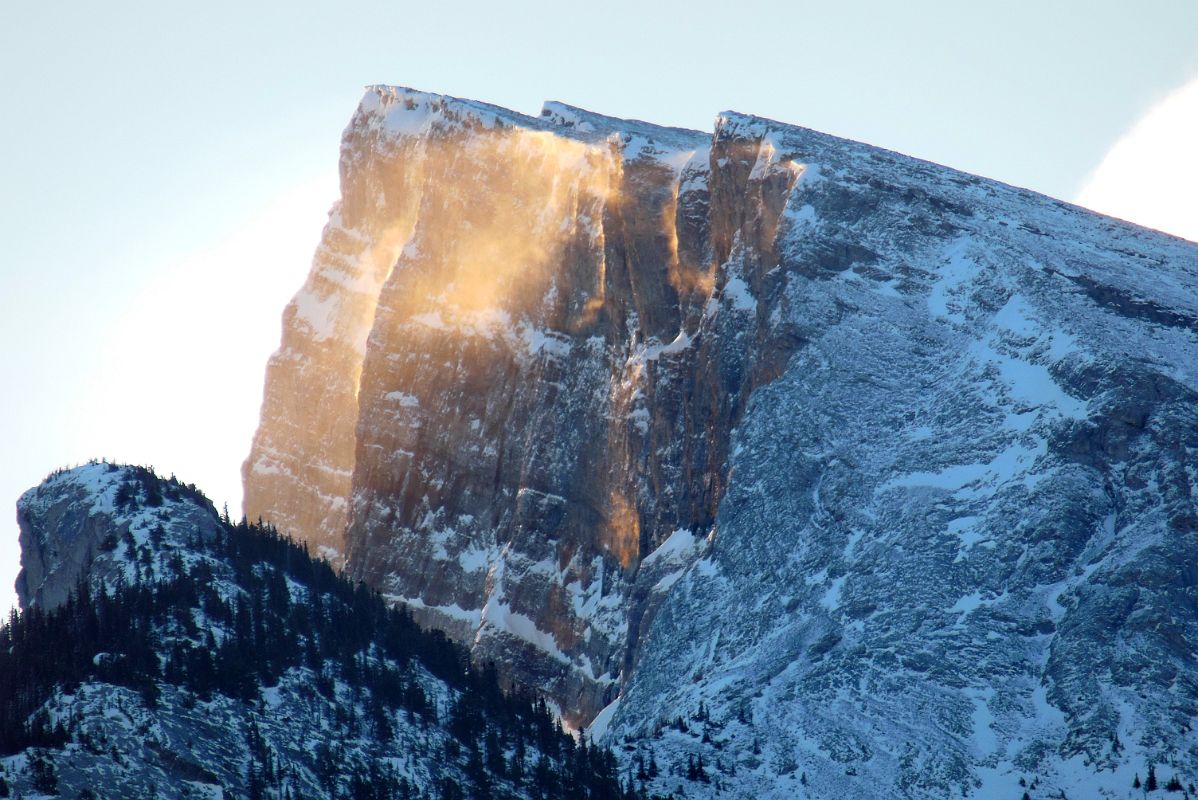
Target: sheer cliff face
<point>550,376</point>
<point>299,471</point>
<point>850,448</point>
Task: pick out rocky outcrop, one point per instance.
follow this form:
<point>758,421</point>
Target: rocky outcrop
<point>105,524</point>
<point>848,447</point>
<point>298,473</point>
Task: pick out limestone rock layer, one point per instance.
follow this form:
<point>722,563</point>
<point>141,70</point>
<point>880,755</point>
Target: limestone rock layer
<point>514,368</point>
<point>888,466</point>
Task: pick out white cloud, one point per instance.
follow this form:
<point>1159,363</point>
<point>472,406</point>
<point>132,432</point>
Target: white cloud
<point>1150,176</point>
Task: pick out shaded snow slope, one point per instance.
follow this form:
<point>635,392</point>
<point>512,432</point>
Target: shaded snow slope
<point>957,542</point>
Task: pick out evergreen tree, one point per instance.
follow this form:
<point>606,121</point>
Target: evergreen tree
<point>42,774</point>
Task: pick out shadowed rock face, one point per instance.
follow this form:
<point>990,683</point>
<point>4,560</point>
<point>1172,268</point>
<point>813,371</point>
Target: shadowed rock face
<point>851,448</point>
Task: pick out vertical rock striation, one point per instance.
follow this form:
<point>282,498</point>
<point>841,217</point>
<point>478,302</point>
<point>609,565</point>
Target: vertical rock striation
<point>300,467</point>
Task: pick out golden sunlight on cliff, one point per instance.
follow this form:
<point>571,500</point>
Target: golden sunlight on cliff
<point>501,251</point>
<point>622,532</point>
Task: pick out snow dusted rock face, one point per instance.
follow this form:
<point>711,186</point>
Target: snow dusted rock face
<point>957,544</point>
<point>106,523</point>
<point>887,465</point>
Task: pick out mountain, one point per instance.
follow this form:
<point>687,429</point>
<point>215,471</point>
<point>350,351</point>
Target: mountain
<point>781,460</point>
<point>194,657</point>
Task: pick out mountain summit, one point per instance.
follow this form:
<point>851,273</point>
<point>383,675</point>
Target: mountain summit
<point>878,473</point>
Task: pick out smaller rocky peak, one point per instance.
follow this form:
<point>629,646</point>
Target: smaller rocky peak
<point>107,524</point>
<point>735,125</point>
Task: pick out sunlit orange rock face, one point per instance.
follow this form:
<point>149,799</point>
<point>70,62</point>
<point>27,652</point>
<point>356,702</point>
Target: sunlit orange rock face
<point>514,368</point>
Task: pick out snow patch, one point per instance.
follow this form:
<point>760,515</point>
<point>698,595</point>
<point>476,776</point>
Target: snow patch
<point>956,272</point>
<point>317,313</point>
<point>499,615</point>
<point>984,738</point>
<point>965,527</point>
<point>737,293</point>
<point>538,341</point>
<point>831,598</point>
<point>402,399</point>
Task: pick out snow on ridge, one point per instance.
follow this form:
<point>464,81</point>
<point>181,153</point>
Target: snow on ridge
<point>499,615</point>
<point>472,616</point>
<point>97,479</point>
<point>565,116</point>
<point>403,111</point>
<point>655,349</point>
<point>634,147</point>
<point>602,720</point>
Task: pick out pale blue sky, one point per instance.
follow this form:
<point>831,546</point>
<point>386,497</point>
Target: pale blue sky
<point>140,140</point>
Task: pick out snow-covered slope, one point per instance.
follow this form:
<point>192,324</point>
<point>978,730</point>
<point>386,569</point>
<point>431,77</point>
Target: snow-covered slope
<point>888,466</point>
<point>956,549</point>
